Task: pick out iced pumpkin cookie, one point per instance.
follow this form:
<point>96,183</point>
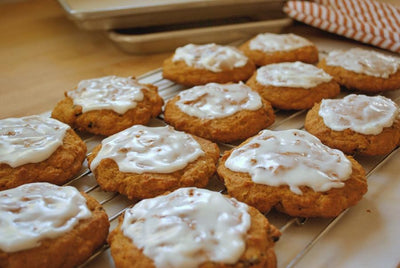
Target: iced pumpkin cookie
<point>38,149</point>
<point>47,226</point>
<point>363,70</point>
<point>293,172</point>
<point>219,112</point>
<point>267,48</point>
<point>191,228</point>
<point>193,65</point>
<point>356,124</point>
<point>107,105</point>
<point>142,162</point>
<point>293,85</point>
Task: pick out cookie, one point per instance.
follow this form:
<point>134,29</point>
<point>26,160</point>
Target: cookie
<point>219,112</point>
<point>293,172</point>
<point>44,225</point>
<point>193,227</point>
<point>107,105</point>
<point>143,162</point>
<point>363,70</point>
<point>267,48</point>
<point>38,149</point>
<point>193,65</point>
<point>293,85</point>
<point>356,124</point>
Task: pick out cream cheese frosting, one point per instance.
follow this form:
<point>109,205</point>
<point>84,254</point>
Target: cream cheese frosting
<point>291,157</point>
<point>118,94</point>
<point>29,139</point>
<point>33,212</point>
<point>188,227</point>
<point>363,114</point>
<point>292,74</point>
<point>218,100</point>
<point>270,42</point>
<point>211,57</point>
<point>364,62</point>
<point>141,149</point>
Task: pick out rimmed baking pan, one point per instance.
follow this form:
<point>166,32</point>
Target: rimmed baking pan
<point>113,14</point>
<point>167,39</point>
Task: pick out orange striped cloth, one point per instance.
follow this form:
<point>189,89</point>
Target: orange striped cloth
<point>368,21</point>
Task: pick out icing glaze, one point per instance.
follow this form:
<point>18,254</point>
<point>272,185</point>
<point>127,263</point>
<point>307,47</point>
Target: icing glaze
<point>269,42</point>
<point>364,62</point>
<point>118,94</point>
<point>291,157</point>
<point>360,113</point>
<point>216,100</point>
<point>36,211</point>
<point>292,74</point>
<point>141,149</point>
<point>188,227</point>
<point>29,139</point>
<point>212,57</point>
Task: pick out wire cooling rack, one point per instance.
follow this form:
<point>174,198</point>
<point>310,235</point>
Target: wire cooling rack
<point>299,243</point>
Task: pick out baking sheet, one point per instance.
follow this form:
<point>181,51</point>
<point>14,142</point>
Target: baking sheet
<point>148,41</point>
<point>109,14</point>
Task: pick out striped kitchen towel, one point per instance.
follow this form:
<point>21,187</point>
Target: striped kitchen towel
<point>368,21</point>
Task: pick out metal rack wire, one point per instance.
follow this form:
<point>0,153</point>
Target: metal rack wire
<point>115,204</point>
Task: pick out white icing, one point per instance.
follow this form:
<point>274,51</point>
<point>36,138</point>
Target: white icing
<point>29,139</point>
<point>212,57</point>
<point>360,113</point>
<point>33,212</point>
<point>188,227</point>
<point>118,94</point>
<point>291,157</point>
<point>216,100</point>
<point>269,42</point>
<point>364,62</point>
<point>141,149</point>
<point>292,74</point>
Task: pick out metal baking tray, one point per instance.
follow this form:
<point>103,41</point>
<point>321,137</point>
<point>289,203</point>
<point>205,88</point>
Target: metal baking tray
<point>112,14</point>
<point>167,38</point>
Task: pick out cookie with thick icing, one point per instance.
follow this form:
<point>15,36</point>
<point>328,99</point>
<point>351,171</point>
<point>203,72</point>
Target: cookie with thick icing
<point>44,225</point>
<point>193,227</point>
<point>193,65</point>
<point>267,48</point>
<point>143,162</point>
<point>293,172</point>
<point>293,85</point>
<point>219,112</point>
<point>363,70</point>
<point>109,104</point>
<point>38,149</point>
<point>356,124</point>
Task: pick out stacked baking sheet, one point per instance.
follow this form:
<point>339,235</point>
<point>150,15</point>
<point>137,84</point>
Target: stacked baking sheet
<point>161,25</point>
